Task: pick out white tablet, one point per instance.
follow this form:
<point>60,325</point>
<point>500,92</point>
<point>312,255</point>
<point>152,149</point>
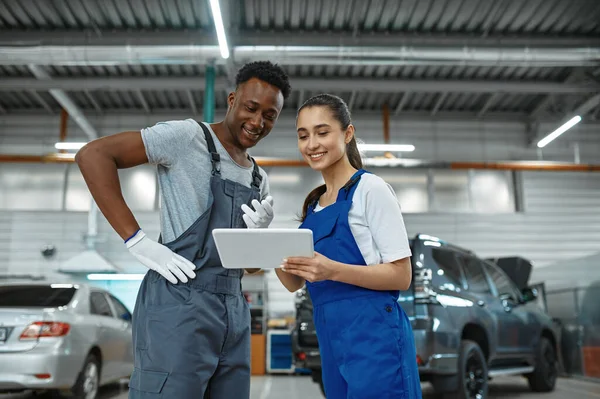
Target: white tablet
<point>261,248</point>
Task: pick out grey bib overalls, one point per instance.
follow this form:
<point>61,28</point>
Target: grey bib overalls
<point>192,340</point>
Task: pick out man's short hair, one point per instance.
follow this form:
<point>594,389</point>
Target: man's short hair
<point>267,72</point>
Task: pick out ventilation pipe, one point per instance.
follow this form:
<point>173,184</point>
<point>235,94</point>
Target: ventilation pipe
<point>298,55</point>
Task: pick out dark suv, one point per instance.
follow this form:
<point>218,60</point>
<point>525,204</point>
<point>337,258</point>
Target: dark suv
<point>470,322</point>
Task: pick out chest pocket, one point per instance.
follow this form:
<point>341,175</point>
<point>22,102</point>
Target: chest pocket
<point>325,229</point>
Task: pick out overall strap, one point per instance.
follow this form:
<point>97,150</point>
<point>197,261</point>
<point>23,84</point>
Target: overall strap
<point>215,158</point>
<point>347,191</point>
<point>256,176</point>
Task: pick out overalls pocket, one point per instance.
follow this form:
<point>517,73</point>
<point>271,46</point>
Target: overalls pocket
<point>148,381</point>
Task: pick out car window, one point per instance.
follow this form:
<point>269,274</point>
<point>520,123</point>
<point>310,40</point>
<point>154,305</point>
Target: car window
<point>475,275</point>
<point>99,305</point>
<point>122,312</point>
<point>36,296</point>
<point>449,268</point>
<point>503,284</point>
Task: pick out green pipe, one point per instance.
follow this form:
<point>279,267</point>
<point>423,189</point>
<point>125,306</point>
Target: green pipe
<point>209,94</point>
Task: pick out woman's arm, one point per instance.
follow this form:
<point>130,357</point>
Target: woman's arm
<point>291,282</point>
<point>394,275</point>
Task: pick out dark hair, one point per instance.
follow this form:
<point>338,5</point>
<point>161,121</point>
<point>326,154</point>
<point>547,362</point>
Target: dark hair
<point>339,110</point>
<point>267,72</point>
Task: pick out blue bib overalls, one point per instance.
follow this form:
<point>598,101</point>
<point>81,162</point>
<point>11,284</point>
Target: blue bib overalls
<point>365,338</point>
<point>192,340</point>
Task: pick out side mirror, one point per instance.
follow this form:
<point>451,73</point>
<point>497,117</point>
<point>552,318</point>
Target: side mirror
<point>529,294</point>
<point>126,316</point>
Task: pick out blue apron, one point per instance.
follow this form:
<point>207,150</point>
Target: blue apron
<point>365,338</point>
<point>192,340</point>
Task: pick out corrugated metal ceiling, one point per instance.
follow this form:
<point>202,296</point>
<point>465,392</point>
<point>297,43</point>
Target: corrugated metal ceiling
<point>476,16</point>
<point>473,18</point>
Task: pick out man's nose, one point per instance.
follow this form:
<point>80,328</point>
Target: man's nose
<point>258,121</point>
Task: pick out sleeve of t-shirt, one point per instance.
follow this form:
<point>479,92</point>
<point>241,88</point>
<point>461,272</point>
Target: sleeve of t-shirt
<point>265,189</point>
<point>384,218</point>
<point>166,142</point>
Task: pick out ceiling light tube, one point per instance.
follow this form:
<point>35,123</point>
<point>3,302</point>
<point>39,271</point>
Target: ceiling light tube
<point>219,27</point>
<point>387,147</point>
<point>68,146</point>
<point>546,140</point>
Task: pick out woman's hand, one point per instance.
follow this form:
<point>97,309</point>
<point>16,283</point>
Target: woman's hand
<point>317,268</point>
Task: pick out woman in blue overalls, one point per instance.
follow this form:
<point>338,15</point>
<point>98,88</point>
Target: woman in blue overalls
<point>365,338</point>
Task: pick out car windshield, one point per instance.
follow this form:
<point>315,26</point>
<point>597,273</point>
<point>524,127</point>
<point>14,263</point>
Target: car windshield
<point>36,296</point>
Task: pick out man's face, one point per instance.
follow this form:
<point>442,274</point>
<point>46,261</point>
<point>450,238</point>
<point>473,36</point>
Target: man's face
<point>253,109</point>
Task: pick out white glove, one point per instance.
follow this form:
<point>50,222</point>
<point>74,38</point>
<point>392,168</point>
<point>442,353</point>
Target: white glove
<point>262,215</point>
<point>159,258</point>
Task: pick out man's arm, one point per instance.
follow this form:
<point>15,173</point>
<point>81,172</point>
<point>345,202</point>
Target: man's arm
<point>99,161</point>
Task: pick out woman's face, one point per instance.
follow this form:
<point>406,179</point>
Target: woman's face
<point>321,140</point>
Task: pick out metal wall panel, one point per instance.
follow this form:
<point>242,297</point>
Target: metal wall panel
<point>560,222</point>
<point>434,140</point>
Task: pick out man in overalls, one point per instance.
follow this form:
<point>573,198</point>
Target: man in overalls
<point>191,323</point>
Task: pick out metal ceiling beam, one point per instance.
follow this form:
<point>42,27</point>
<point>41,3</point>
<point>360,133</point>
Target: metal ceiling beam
<point>546,101</point>
<point>352,99</point>
<point>439,103</point>
<point>41,101</point>
<point>402,102</point>
<point>65,101</point>
<point>489,102</point>
<point>93,101</point>
<point>143,101</point>
<point>288,38</point>
<point>333,84</point>
<point>583,109</point>
<point>192,102</point>
<point>587,105</point>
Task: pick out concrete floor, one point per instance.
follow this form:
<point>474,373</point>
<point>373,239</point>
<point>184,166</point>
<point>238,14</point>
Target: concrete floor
<point>301,387</point>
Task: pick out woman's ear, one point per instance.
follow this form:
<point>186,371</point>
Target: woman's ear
<point>349,134</point>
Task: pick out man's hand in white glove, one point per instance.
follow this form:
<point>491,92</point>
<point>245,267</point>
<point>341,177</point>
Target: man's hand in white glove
<point>159,258</point>
<point>262,215</point>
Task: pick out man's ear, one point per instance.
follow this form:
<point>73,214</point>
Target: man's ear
<point>349,134</point>
<point>230,99</point>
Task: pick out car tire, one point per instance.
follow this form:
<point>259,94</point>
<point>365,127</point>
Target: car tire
<point>322,386</point>
<point>317,377</point>
<point>543,377</point>
<point>472,372</point>
<point>88,381</point>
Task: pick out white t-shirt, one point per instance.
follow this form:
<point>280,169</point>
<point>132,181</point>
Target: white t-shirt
<point>376,221</point>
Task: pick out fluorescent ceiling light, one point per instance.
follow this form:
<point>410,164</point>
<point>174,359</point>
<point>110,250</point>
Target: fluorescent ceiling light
<point>386,147</point>
<point>68,146</point>
<point>220,28</point>
<point>115,277</point>
<point>572,122</point>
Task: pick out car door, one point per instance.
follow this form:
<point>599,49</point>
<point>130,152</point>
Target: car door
<point>516,316</point>
<point>479,286</point>
<point>108,337</point>
<point>124,317</point>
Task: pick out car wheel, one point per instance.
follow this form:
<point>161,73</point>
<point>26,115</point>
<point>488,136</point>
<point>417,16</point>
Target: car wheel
<point>88,381</point>
<point>472,372</point>
<point>318,378</point>
<point>543,378</point>
<point>322,388</point>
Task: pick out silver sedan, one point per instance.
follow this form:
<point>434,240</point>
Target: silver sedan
<point>71,338</point>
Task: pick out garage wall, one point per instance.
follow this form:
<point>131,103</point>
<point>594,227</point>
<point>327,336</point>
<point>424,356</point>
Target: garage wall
<point>560,221</point>
<point>434,140</point>
<point>560,218</point>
